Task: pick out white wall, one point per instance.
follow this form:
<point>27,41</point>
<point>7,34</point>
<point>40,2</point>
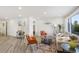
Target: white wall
<point>30,26</point>
<point>66,25</point>
<point>25,25</point>
<point>57,21</point>
<point>40,25</point>
<point>12,26</point>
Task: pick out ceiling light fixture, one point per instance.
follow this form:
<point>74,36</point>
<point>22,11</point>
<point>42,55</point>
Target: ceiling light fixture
<point>45,13</point>
<point>20,8</point>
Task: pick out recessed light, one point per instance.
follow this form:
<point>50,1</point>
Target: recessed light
<point>45,13</point>
<point>20,8</point>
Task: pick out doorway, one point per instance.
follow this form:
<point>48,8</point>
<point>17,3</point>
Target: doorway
<point>3,28</point>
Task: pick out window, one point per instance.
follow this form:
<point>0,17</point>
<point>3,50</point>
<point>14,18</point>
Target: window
<point>74,22</point>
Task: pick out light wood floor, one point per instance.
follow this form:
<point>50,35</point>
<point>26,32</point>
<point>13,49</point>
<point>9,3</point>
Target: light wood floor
<point>13,45</point>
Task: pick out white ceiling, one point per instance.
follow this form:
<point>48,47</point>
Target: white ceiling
<point>36,11</point>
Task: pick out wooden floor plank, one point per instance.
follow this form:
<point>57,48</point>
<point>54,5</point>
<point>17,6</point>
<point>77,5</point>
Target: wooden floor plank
<point>13,45</point>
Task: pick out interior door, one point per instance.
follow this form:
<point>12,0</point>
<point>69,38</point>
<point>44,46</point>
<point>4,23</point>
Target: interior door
<point>3,28</point>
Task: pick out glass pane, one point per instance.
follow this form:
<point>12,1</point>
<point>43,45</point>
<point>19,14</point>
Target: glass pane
<point>75,24</point>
